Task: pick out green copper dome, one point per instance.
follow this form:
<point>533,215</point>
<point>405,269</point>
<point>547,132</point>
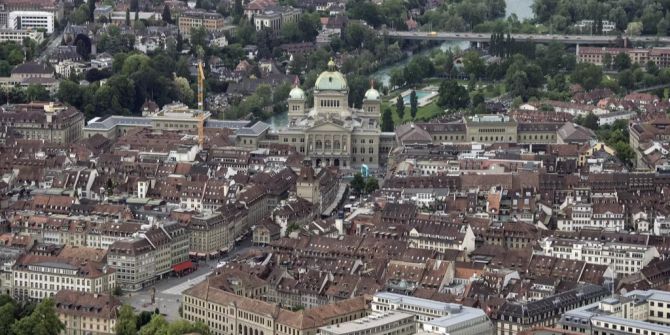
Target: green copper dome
<point>331,81</point>
<point>296,94</point>
<point>372,94</point>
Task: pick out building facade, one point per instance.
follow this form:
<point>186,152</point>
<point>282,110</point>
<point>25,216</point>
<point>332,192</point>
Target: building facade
<point>226,313</point>
<point>33,20</point>
<point>151,255</point>
<point>210,235</point>
<point>195,19</point>
<point>635,312</point>
<point>38,277</point>
<point>625,258</point>
<point>87,313</point>
<point>18,36</point>
<point>596,55</point>
<point>51,122</point>
<point>387,323</point>
<point>435,316</point>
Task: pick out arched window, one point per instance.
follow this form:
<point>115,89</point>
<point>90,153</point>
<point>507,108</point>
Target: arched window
<point>336,144</point>
<point>327,144</point>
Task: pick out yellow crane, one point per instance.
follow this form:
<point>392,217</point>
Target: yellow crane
<point>201,104</point>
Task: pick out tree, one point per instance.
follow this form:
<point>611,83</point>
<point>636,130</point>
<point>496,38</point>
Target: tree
<point>652,68</point>
<point>15,57</point>
<point>166,16</point>
<point>79,15</point>
<point>413,103</point>
<point>143,318</point>
<point>622,61</point>
<point>452,95</point>
<point>290,32</point>
<point>371,185</point>
<point>477,100</point>
<point>238,10</point>
<point>7,317</point>
<point>473,64</point>
<point>185,327</point>
<point>5,68</point>
<point>43,321</point>
<point>634,29</point>
<point>156,326</point>
<point>590,121</point>
<point>626,79</point>
<point>184,91</point>
<point>70,93</point>
<point>400,107</point>
<point>587,75</point>
<point>387,120</point>
<point>607,61</point>
<point>624,152</point>
<point>358,183</point>
<point>36,92</point>
<point>126,324</point>
<point>91,10</point>
<point>397,78</point>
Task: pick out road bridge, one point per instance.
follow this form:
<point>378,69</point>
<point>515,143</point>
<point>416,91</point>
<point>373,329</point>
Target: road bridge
<point>539,38</point>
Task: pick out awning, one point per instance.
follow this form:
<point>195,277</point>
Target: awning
<point>182,266</point>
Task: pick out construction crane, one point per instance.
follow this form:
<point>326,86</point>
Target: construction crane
<point>201,104</point>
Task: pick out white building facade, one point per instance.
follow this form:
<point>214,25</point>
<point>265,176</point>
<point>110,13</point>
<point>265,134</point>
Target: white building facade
<point>34,20</point>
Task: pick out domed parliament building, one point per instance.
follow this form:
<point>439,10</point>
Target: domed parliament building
<point>331,133</point>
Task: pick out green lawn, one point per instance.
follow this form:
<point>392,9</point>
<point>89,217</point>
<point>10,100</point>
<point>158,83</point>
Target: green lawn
<point>422,114</point>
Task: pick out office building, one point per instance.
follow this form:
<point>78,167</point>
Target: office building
<point>435,316</point>
<point>635,312</point>
<point>34,20</point>
<point>18,36</point>
<point>386,323</point>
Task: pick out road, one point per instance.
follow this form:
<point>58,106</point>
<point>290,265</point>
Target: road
<point>540,38</point>
<point>54,41</point>
<point>168,290</point>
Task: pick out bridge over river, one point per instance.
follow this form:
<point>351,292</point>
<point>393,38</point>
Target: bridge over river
<point>540,38</point>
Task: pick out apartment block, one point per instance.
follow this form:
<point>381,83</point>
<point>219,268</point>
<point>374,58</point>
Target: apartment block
<point>87,313</point>
<point>152,255</point>
<point>625,258</point>
<point>196,19</point>
<point>37,277</point>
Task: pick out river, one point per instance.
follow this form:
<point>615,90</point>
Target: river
<point>522,9</point>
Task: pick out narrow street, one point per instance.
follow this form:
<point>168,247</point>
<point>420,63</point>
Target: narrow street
<point>54,41</point>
